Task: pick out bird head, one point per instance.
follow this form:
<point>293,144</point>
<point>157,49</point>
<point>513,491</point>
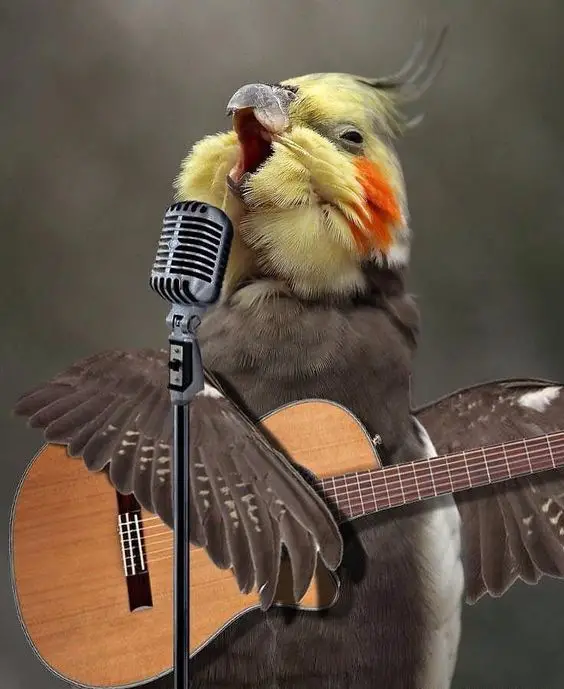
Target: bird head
<point>310,178</point>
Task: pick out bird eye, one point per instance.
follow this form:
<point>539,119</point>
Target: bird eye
<point>353,136</point>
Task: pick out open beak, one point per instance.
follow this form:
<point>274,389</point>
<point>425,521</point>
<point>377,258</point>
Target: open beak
<point>269,105</point>
<point>259,112</point>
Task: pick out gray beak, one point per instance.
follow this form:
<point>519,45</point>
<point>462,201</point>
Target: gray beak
<point>269,103</point>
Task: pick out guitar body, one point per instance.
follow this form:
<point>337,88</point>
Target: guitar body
<point>96,627</point>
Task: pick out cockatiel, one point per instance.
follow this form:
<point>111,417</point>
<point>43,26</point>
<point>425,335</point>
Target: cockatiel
<point>314,305</point>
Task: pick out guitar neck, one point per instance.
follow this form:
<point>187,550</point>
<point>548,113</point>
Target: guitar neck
<point>360,493</point>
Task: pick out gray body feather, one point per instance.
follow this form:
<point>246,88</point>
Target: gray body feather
<point>388,627</point>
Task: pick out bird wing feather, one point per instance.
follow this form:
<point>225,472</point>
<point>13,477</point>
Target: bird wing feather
<point>512,530</point>
<point>113,410</point>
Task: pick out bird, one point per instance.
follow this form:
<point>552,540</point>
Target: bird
<point>315,305</point>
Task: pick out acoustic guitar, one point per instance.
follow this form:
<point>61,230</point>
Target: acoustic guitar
<point>92,571</point>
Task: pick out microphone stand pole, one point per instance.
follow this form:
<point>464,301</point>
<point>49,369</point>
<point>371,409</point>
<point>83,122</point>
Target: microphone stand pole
<point>186,379</point>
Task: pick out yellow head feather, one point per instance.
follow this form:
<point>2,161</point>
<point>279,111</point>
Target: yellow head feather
<point>299,209</point>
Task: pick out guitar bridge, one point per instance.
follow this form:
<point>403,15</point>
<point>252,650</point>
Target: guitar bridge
<point>133,553</point>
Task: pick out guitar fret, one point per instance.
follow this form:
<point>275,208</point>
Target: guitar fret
<point>477,468</point>
<point>354,498</point>
<point>430,471</point>
<point>349,507</point>
<point>540,445</point>
<point>486,464</point>
<point>342,494</point>
<point>337,506</point>
<point>439,469</point>
<point>400,484</point>
<point>547,439</point>
<point>360,493</point>
<point>506,461</point>
<point>497,467</point>
<point>443,478</point>
<point>465,460</point>
<point>416,481</point>
<point>458,473</point>
<point>529,456</point>
<point>372,496</point>
<point>421,470</point>
<point>411,486</point>
<point>388,499</point>
<point>383,494</point>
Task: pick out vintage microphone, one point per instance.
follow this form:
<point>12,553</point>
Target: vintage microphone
<point>188,272</point>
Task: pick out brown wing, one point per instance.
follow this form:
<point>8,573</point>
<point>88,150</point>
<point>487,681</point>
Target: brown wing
<point>113,409</point>
<point>515,529</point>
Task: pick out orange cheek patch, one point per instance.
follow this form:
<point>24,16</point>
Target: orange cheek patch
<point>381,210</point>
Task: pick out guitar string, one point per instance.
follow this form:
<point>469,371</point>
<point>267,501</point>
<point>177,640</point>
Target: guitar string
<point>371,479</point>
<point>168,532</point>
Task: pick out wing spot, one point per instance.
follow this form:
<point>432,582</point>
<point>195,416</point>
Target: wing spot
<point>527,520</point>
<point>206,504</point>
<point>203,479</point>
<point>111,427</point>
<point>546,505</point>
<point>253,517</point>
<point>147,448</point>
<point>210,391</point>
<point>554,520</point>
<point>224,490</point>
<point>132,433</point>
<point>539,400</point>
<point>125,443</point>
<point>164,446</point>
<point>163,459</point>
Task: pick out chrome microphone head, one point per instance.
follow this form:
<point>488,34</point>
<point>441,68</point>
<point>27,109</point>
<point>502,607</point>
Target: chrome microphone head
<point>192,254</point>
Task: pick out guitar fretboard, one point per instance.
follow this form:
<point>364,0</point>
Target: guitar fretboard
<point>365,492</point>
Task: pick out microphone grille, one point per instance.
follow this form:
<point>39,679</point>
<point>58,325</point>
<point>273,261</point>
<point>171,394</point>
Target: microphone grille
<point>192,253</point>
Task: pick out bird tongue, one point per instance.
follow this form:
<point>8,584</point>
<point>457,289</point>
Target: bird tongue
<point>255,141</point>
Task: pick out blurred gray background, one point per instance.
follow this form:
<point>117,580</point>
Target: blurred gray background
<point>101,99</point>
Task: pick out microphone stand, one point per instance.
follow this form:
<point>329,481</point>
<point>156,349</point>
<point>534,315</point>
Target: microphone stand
<point>186,379</point>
